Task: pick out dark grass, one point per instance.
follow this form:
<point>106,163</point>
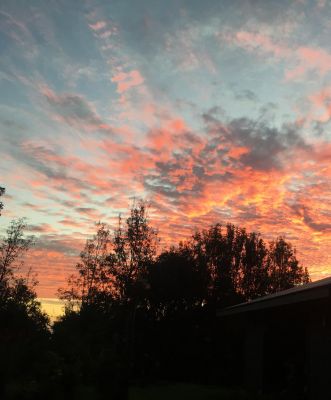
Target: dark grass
<point>185,391</point>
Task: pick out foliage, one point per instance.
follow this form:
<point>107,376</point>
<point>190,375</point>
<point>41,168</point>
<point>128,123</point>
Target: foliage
<point>133,313</point>
<point>23,326</point>
<point>12,248</point>
<point>134,249</point>
<point>114,268</point>
<point>242,266</point>
<point>2,192</point>
<point>93,281</point>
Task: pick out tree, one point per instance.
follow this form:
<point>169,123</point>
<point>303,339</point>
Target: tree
<point>12,248</point>
<point>134,249</point>
<point>109,286</point>
<point>254,278</point>
<point>242,266</point>
<point>2,192</point>
<point>283,267</point>
<point>23,326</point>
<point>220,250</point>
<point>93,281</point>
<point>114,268</point>
<point>14,288</point>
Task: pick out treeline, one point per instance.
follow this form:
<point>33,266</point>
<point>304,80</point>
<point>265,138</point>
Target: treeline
<point>135,314</point>
<point>24,328</point>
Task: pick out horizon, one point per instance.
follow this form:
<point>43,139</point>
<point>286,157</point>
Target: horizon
<point>211,112</point>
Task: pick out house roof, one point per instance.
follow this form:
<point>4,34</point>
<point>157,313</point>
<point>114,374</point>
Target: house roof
<point>310,291</point>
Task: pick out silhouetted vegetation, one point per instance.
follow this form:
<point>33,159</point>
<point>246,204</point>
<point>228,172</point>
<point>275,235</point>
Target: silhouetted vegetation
<point>2,191</point>
<point>24,330</point>
<point>135,315</point>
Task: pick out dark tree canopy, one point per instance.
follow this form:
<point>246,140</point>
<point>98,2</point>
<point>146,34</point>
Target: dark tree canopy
<point>15,287</point>
<point>242,266</point>
<point>113,267</point>
<point>144,314</point>
<point>23,326</point>
<point>219,266</point>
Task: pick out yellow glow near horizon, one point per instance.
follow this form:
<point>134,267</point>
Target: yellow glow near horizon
<point>52,306</point>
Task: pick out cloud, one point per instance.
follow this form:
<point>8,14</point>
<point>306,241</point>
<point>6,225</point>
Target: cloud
<point>127,80</point>
<point>268,147</point>
<point>316,226</point>
<point>76,112</point>
<point>233,164</point>
<point>64,244</point>
<point>97,26</point>
<point>320,105</point>
<point>310,59</point>
<point>300,59</point>
<point>41,228</point>
<point>253,41</point>
<point>300,209</point>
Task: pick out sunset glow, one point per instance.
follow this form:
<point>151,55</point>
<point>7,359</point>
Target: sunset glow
<point>213,111</point>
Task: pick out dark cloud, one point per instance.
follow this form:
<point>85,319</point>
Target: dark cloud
<point>162,185</point>
<point>259,146</point>
<point>61,244</point>
<point>50,163</point>
<point>301,211</point>
<point>268,147</point>
<point>41,228</point>
<point>85,210</point>
<point>316,226</point>
<point>247,95</point>
<point>76,112</point>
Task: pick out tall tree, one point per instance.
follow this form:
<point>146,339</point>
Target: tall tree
<point>253,279</point>
<point>242,266</point>
<point>12,248</point>
<point>134,249</point>
<point>114,267</point>
<point>92,283</point>
<point>23,326</point>
<point>284,269</point>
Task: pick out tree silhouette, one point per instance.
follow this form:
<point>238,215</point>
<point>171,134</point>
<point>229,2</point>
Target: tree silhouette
<point>147,315</point>
<point>12,248</point>
<point>114,268</point>
<point>23,326</point>
<point>242,266</point>
<point>134,249</point>
<point>93,281</point>
<point>283,267</point>
<point>2,192</point>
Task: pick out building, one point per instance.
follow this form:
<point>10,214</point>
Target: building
<point>286,340</point>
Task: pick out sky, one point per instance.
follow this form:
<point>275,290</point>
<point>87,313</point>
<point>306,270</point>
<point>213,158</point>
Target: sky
<point>213,111</point>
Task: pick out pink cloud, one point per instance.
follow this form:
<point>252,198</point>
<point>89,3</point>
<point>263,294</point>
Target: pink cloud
<point>310,59</point>
<point>105,34</point>
<point>127,80</point>
<point>97,26</point>
<point>192,181</point>
<point>320,109</point>
<point>257,41</point>
<point>304,58</point>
